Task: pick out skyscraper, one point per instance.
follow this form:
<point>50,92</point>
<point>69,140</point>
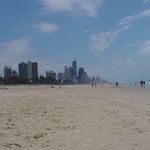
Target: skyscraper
<point>22,67</point>
<point>7,72</point>
<point>67,75</point>
<point>34,70</point>
<point>60,77</point>
<point>80,73</point>
<point>28,70</point>
<point>51,74</point>
<point>82,76</point>
<point>74,66</point>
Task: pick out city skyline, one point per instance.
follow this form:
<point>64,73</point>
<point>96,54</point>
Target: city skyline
<point>108,38</point>
<point>29,70</point>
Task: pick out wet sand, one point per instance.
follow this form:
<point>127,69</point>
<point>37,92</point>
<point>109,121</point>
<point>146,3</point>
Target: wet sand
<point>74,117</point>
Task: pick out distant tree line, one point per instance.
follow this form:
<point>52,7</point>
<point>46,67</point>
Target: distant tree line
<point>18,80</point>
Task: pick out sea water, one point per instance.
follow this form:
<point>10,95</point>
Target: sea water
<point>138,85</point>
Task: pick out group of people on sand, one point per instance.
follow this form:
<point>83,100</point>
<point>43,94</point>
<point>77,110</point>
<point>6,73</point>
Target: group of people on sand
<point>3,88</point>
<point>94,85</point>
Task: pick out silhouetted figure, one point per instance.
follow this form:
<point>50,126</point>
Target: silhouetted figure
<point>116,84</point>
<point>92,84</point>
<point>142,83</point>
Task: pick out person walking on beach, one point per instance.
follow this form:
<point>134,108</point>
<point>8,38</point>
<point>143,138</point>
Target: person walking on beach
<point>142,83</point>
<point>116,84</point>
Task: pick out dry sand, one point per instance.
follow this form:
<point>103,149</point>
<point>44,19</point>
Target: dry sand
<point>75,117</point>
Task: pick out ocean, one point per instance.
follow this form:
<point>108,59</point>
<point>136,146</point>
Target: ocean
<point>138,85</point>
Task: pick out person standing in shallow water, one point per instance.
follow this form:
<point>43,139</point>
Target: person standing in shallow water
<point>116,84</point>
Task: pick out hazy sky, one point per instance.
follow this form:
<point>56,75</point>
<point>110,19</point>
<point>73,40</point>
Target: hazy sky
<point>109,38</point>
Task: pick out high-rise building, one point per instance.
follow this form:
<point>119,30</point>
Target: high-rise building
<point>67,75</point>
<point>60,77</point>
<point>51,74</point>
<point>80,73</point>
<point>28,70</point>
<point>74,66</point>
<point>82,76</point>
<point>34,70</point>
<point>22,67</point>
<point>7,72</point>
<point>71,72</point>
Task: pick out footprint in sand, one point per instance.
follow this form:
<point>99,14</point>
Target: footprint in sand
<point>12,145</point>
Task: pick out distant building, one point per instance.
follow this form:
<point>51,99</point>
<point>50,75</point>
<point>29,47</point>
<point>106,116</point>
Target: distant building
<point>67,74</point>
<point>51,74</point>
<point>28,70</point>
<point>74,66</point>
<point>71,72</point>
<point>98,80</point>
<point>23,71</point>
<point>7,72</point>
<point>60,77</point>
<point>34,70</point>
<point>82,76</point>
<point>89,80</point>
<point>14,73</point>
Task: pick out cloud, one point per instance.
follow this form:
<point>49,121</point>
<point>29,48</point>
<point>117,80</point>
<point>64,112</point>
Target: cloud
<point>127,20</point>
<point>46,28</point>
<point>13,51</point>
<point>146,1</point>
<point>103,40</point>
<point>145,50</point>
<point>15,47</point>
<point>81,7</point>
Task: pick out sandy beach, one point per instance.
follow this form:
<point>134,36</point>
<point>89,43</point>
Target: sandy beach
<point>74,117</point>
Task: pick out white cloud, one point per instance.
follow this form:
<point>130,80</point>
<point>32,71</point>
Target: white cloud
<point>127,20</point>
<point>15,47</point>
<point>146,1</point>
<point>103,40</point>
<point>46,28</point>
<point>84,7</point>
<point>145,50</point>
<point>13,51</point>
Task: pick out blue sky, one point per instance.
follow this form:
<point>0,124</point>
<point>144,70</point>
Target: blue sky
<point>109,38</point>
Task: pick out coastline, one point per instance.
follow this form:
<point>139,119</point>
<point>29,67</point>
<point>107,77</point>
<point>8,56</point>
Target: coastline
<point>74,117</point>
